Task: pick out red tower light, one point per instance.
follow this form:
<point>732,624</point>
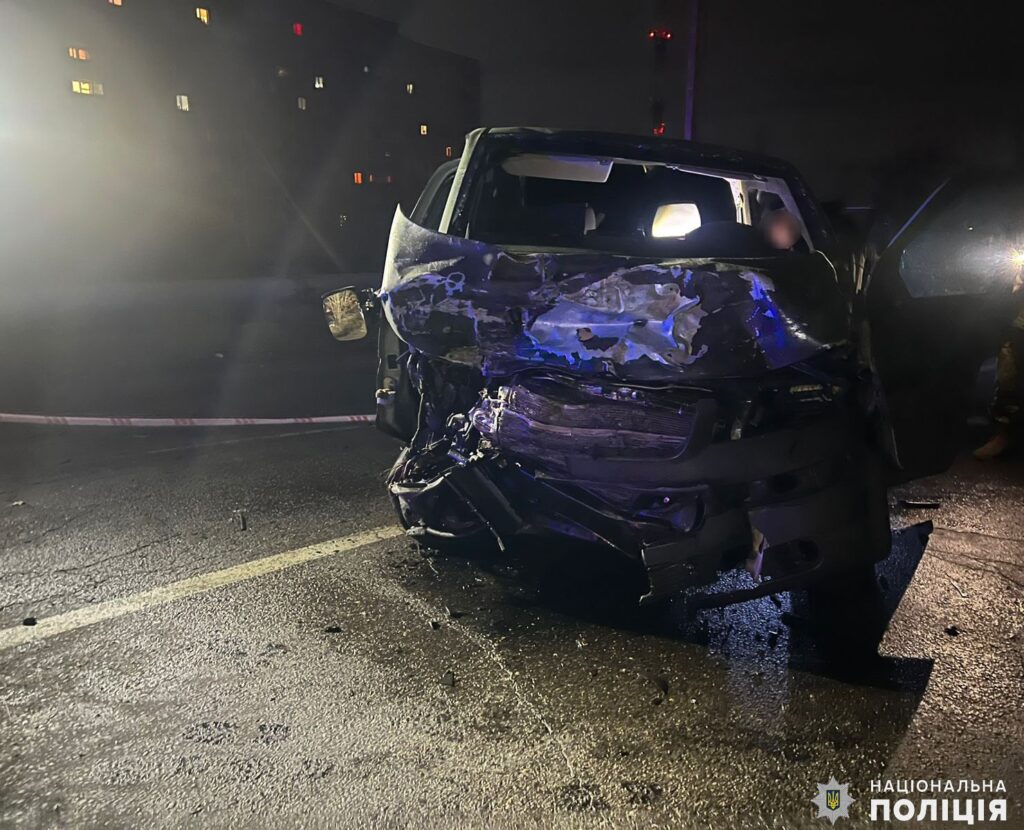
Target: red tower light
<point>297,29</point>
<point>659,128</point>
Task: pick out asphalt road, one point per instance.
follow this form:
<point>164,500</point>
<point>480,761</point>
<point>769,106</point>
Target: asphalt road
<point>380,686</point>
<point>231,348</point>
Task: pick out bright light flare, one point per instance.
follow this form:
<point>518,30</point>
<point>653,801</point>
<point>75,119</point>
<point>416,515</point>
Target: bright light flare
<point>675,220</point>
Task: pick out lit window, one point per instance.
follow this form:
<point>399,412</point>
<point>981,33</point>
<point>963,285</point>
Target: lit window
<point>423,129</point>
<point>302,103</point>
<point>675,220</point>
<point>86,88</point>
<point>203,15</point>
<point>449,151</point>
<point>114,2</point>
<point>390,180</point>
<point>410,88</point>
<point>182,102</point>
<point>366,70</point>
<point>357,178</point>
<point>318,82</point>
<point>78,54</point>
<point>282,72</point>
<point>297,29</point>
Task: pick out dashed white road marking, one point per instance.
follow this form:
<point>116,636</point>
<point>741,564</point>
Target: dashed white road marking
<point>201,584</point>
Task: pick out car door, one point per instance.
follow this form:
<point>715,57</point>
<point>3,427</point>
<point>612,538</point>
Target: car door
<point>936,305</point>
<point>397,398</point>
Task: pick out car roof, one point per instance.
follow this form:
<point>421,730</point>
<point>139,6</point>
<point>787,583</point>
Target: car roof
<point>652,148</point>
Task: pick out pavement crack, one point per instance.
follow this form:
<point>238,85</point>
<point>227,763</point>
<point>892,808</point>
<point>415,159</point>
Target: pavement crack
<point>958,532</point>
<point>93,581</point>
<point>490,649</point>
<point>488,646</point>
<point>115,556</point>
<point>67,521</point>
<point>974,557</point>
<point>955,558</point>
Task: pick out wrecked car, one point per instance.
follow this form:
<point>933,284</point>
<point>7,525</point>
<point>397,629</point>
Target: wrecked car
<point>658,347</point>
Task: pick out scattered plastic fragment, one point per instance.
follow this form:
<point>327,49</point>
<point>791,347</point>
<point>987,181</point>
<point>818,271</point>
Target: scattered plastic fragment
<point>915,504</point>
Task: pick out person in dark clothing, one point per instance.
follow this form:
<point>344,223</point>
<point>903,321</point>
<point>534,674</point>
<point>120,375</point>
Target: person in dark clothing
<point>1007,413</point>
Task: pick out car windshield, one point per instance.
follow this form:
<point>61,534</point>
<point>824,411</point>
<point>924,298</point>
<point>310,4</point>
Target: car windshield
<point>630,206</point>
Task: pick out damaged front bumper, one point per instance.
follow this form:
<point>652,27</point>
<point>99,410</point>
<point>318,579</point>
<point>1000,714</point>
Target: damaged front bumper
<point>684,482</point>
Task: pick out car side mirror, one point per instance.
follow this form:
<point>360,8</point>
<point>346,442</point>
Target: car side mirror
<point>344,314</point>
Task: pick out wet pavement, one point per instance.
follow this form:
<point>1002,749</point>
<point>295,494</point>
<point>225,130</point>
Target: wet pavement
<point>188,348</point>
<point>382,686</point>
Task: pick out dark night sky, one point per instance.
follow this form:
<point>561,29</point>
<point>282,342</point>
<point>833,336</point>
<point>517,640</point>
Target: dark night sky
<point>567,63</point>
<point>836,88</point>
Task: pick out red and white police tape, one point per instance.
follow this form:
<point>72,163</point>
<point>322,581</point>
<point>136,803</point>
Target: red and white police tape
<point>86,421</point>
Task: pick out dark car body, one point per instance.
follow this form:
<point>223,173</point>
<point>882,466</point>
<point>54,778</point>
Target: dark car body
<point>698,401</point>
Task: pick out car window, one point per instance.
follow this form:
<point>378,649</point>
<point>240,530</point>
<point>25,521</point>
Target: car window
<point>430,206</point>
<point>972,245</point>
<point>627,206</point>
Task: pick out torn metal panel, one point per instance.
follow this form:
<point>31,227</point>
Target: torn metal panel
<point>504,311</point>
<point>557,420</point>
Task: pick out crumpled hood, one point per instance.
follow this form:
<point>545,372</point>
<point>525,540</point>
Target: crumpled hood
<point>603,314</point>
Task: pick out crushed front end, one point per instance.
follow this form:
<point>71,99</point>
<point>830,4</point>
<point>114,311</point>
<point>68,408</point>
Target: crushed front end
<point>694,415</point>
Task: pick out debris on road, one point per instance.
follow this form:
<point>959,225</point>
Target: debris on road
<point>434,625</point>
<point>952,631</point>
<point>333,629</point>
<point>453,614</point>
<point>579,797</point>
<point>642,793</point>
<point>241,520</point>
<point>210,732</point>
<point>660,684</point>
<point>29,621</point>
<point>272,733</point>
<point>914,504</point>
<point>18,503</point>
<point>448,678</point>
